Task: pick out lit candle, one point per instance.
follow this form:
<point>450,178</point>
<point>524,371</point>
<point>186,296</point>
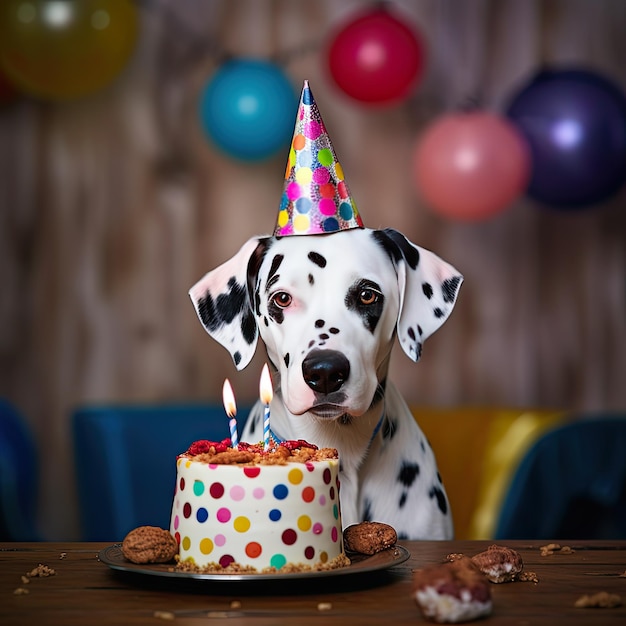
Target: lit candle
<point>231,410</point>
<point>267,393</point>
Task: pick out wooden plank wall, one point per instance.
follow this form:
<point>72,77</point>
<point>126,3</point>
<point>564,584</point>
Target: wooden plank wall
<point>111,207</point>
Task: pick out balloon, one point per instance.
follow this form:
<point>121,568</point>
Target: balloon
<point>63,49</point>
<point>376,58</point>
<point>471,165</point>
<point>247,109</point>
<point>575,123</point>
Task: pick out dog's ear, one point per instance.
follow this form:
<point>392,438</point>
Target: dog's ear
<point>428,290</point>
<point>222,301</point>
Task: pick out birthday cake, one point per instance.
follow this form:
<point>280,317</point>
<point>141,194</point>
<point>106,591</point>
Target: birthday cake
<point>248,509</point>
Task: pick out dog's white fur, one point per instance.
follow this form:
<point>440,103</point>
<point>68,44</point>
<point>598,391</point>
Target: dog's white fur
<point>347,293</point>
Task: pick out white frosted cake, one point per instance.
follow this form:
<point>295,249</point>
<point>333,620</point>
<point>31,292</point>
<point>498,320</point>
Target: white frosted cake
<point>249,510</point>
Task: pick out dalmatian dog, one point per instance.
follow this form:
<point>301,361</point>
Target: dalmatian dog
<point>328,308</point>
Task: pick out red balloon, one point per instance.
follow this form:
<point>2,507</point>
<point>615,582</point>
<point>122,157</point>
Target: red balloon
<point>376,58</point>
<point>471,166</point>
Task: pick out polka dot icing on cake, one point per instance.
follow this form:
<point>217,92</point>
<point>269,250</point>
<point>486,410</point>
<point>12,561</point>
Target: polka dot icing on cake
<point>315,199</point>
<point>259,514</point>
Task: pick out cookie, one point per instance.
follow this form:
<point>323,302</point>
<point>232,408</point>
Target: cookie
<point>369,537</point>
<point>499,563</point>
<point>149,544</point>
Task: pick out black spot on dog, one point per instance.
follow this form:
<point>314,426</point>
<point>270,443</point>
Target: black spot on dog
<point>449,287</point>
<point>417,347</point>
<point>266,321</point>
<point>208,313</point>
<point>271,282</point>
<point>402,500</point>
<point>286,359</point>
<point>248,327</point>
<point>403,537</point>
<point>225,308</point>
<point>409,252</point>
<point>388,245</point>
<point>397,246</point>
<point>319,323</point>
<point>272,276</point>
<point>254,264</point>
<point>311,343</point>
<point>428,290</point>
<point>311,279</point>
<point>367,510</point>
<point>317,258</point>
<point>408,473</point>
<point>275,312</point>
<point>237,357</point>
<point>369,313</point>
<point>333,330</point>
<point>438,312</point>
<point>324,336</point>
<point>437,493</point>
<point>257,302</point>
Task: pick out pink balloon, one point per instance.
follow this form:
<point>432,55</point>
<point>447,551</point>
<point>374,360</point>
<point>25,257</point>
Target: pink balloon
<point>471,165</point>
<point>376,58</point>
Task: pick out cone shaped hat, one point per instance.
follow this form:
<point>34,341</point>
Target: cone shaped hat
<point>316,198</point>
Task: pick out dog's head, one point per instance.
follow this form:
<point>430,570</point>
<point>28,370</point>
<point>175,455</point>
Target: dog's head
<point>327,308</point>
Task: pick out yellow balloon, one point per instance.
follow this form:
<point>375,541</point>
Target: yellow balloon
<point>63,49</point>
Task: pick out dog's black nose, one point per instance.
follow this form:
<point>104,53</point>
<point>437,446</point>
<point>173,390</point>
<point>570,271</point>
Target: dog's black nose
<point>325,371</point>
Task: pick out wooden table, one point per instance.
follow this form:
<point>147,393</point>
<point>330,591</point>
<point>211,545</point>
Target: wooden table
<point>86,592</point>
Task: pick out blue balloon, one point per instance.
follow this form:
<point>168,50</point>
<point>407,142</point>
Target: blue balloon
<point>248,109</point>
<point>575,123</point>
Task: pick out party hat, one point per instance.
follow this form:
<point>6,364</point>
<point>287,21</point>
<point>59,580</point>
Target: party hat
<point>316,199</point>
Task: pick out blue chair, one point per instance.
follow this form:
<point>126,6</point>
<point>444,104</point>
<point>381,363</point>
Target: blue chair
<point>19,477</point>
<point>571,484</point>
<point>125,462</point>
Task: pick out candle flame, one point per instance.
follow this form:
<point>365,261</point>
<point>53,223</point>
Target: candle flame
<point>265,386</point>
<point>229,399</point>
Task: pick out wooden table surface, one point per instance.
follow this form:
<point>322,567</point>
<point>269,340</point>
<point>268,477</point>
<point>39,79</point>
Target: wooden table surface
<point>86,592</point>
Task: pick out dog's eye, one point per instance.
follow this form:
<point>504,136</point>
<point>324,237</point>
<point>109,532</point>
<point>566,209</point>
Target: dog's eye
<point>369,296</point>
<point>282,299</point>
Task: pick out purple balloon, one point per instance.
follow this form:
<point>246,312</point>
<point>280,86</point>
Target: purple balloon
<point>575,123</point>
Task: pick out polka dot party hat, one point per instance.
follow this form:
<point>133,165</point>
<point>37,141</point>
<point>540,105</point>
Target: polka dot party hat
<point>316,199</point>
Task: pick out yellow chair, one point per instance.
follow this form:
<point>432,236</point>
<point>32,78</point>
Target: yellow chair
<point>477,452</point>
